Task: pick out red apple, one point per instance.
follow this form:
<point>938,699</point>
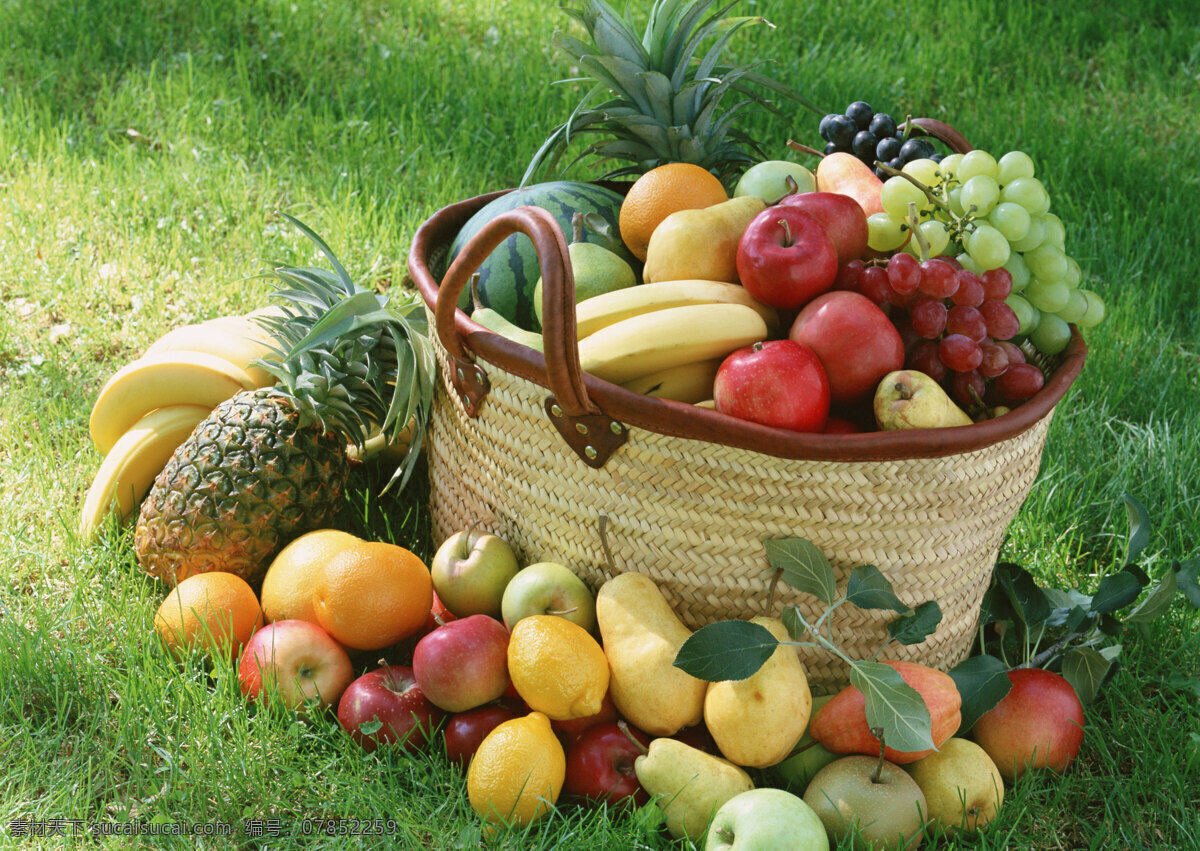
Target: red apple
<point>600,765</point>
<point>841,216</point>
<point>857,344</point>
<point>785,258</point>
<point>299,661</point>
<point>778,383</point>
<point>389,696</point>
<point>464,731</point>
<point>570,729</point>
<point>464,663</point>
<point>1038,724</point>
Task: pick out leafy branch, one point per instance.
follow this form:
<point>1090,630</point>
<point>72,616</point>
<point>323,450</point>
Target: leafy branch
<point>735,649</point>
<point>1026,625</point>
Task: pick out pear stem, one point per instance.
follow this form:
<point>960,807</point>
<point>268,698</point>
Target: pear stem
<point>804,149</point>
<point>623,726</point>
<point>475,292</point>
<point>577,227</point>
<point>608,556</point>
<point>877,732</point>
<point>772,588</point>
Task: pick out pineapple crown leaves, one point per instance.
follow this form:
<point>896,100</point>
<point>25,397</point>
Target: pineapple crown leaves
<point>668,92</point>
<point>349,359</point>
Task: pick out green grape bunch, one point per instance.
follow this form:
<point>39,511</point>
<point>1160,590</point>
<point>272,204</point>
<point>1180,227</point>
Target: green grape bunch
<point>990,214</point>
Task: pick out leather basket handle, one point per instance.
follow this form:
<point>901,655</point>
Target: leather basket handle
<point>590,433</point>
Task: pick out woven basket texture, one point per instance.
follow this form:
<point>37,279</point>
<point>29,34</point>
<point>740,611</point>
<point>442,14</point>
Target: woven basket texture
<point>693,516</point>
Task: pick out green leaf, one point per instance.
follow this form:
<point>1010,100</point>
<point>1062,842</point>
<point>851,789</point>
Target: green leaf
<point>794,623</point>
<point>983,682</point>
<point>918,625</point>
<point>1066,607</point>
<point>1085,669</point>
<point>868,588</point>
<point>1116,591</point>
<point>894,705</point>
<point>1139,528</point>
<point>1157,602</point>
<point>1189,584</point>
<point>1027,597</point>
<point>369,728</point>
<point>1191,684</point>
<point>804,567</point>
<point>726,650</point>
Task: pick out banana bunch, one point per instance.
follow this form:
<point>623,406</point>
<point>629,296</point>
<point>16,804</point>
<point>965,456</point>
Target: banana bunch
<point>666,339</point>
<point>150,406</point>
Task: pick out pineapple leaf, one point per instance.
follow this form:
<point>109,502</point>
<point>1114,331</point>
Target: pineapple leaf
<point>658,91</point>
<point>615,36</point>
<point>345,279</point>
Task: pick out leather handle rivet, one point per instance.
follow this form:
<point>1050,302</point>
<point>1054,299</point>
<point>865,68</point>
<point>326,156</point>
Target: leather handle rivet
<point>581,428</point>
<point>589,451</point>
<point>616,428</point>
<point>556,410</point>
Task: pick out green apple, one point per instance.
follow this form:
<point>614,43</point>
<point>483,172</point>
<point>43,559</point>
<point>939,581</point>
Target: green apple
<point>806,759</point>
<point>769,180</point>
<point>766,820</point>
<point>548,588</point>
<point>871,799</point>
<point>961,784</point>
<point>470,571</point>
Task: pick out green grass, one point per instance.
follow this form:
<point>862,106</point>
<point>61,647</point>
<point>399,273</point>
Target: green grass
<point>144,151</point>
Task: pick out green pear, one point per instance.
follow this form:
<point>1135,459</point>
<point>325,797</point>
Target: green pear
<point>688,784</point>
<point>691,244</point>
<point>907,398</point>
<point>641,637</point>
<point>757,721</point>
<point>962,786</point>
<point>871,799</point>
<point>596,269</point>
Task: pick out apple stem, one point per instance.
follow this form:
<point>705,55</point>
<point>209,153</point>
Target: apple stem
<point>624,728</point>
<point>787,233</point>
<point>804,149</point>
<point>877,732</point>
<point>792,186</point>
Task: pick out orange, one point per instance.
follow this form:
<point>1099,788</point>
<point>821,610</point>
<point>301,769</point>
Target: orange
<point>557,667</point>
<point>215,610</point>
<point>517,772</point>
<point>287,589</point>
<point>660,192</point>
<point>372,594</point>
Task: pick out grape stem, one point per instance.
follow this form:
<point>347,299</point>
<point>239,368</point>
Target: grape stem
<point>895,172</point>
<point>922,242</point>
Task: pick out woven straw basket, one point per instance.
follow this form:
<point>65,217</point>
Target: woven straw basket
<point>529,447</point>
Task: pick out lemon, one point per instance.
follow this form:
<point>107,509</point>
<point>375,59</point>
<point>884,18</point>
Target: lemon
<point>557,667</point>
<point>517,772</point>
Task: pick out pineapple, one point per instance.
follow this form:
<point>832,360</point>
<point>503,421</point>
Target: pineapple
<point>270,464</point>
<point>665,94</point>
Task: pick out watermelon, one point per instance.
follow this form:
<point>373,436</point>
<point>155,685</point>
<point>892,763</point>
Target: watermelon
<point>510,273</point>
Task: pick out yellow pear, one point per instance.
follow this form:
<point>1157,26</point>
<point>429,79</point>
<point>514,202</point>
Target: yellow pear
<point>757,721</point>
<point>700,243</point>
<point>962,786</point>
<point>641,636</point>
<point>688,784</point>
<point>907,398</point>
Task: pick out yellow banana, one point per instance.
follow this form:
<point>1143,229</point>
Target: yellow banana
<point>129,469</point>
<point>708,404</point>
<point>237,339</point>
<point>689,382</point>
<point>606,309</point>
<point>670,337</point>
<point>159,380</point>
